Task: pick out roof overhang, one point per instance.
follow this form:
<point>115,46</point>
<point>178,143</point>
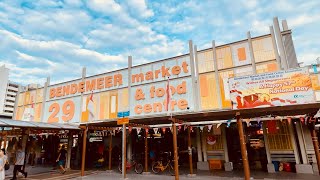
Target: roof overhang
<point>36,125</point>
<point>217,115</point>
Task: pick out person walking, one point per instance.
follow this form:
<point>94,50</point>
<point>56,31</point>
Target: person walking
<point>3,160</point>
<point>20,156</point>
<point>62,159</point>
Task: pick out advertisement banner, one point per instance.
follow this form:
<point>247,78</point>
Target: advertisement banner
<point>271,89</point>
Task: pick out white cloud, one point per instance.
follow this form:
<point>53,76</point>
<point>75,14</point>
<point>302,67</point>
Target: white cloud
<point>140,8</point>
<point>55,49</point>
<point>112,9</point>
<point>308,57</point>
<point>303,20</point>
<point>261,26</point>
<point>250,3</point>
<point>74,3</point>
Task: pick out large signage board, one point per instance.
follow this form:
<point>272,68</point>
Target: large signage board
<point>105,96</point>
<point>151,84</point>
<point>271,89</point>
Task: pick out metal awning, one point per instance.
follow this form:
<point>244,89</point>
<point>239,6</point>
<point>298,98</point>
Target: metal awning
<point>36,125</point>
<point>217,115</point>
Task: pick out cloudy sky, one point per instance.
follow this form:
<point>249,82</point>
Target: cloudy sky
<point>56,38</point>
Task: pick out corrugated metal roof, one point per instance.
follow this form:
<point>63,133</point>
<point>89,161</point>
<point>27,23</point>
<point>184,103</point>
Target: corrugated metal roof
<point>37,125</point>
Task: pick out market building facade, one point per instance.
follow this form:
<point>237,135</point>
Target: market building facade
<point>257,72</point>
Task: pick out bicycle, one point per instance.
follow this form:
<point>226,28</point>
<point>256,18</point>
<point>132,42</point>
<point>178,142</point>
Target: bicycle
<point>159,166</point>
<point>138,168</point>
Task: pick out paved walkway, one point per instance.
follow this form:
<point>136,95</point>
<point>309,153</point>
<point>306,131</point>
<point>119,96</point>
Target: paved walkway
<point>201,175</point>
<point>31,170</point>
<point>47,173</point>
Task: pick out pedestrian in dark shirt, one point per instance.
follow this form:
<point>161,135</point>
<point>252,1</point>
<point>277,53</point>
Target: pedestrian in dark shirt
<point>62,159</point>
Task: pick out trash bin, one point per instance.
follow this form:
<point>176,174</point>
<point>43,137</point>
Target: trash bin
<point>276,165</point>
<point>287,167</point>
<point>215,164</point>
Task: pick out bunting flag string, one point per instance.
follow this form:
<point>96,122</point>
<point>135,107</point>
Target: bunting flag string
<point>218,125</point>
<point>289,120</point>
<point>147,130</point>
<point>201,128</point>
<point>228,123</point>
<point>248,121</point>
<point>138,130</point>
<point>185,127</point>
<point>209,128</point>
<point>155,130</point>
<point>191,128</point>
<point>258,120</point>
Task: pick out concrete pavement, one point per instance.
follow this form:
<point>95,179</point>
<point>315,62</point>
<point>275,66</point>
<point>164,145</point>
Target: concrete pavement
<point>200,175</point>
<point>47,173</point>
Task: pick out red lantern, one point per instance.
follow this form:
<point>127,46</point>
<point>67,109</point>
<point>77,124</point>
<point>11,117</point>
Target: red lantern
<point>302,119</point>
<point>163,130</point>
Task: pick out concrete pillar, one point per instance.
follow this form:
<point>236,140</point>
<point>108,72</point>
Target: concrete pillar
<point>84,72</point>
<point>204,145</point>
<point>285,25</point>
<point>293,143</point>
<point>195,93</point>
<point>70,143</point>
<point>253,61</point>
<point>216,74</point>
<point>197,81</point>
<point>129,148</point>
<point>270,165</point>
<point>203,165</point>
<point>228,166</point>
<point>305,167</point>
<point>275,48</point>
<point>301,143</point>
<point>45,89</point>
<point>283,57</point>
<point>199,150</point>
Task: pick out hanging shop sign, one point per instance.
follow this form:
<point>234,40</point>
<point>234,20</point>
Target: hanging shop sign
<point>271,89</point>
<point>122,121</point>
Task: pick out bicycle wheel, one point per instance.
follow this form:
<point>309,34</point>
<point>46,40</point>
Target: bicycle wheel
<point>171,169</point>
<point>138,168</point>
<point>120,167</point>
<point>156,167</point>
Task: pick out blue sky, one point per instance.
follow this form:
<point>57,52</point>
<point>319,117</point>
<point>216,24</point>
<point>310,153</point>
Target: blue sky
<point>57,38</point>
